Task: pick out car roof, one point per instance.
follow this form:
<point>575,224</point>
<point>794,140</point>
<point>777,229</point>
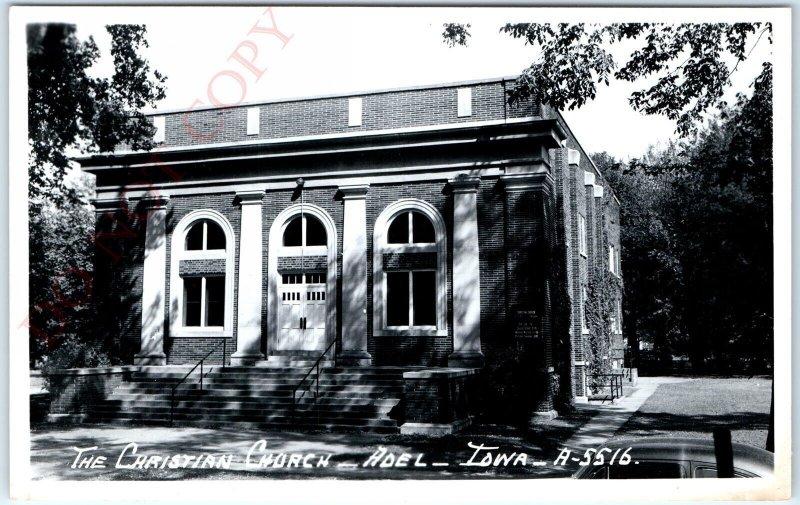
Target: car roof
<point>698,450</point>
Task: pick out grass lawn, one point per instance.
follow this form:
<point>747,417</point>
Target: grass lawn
<point>695,407</point>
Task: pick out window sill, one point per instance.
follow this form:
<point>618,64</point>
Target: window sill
<point>584,331</point>
<point>208,254</point>
<point>314,250</point>
<point>211,332</point>
<point>410,332</point>
<point>409,248</point>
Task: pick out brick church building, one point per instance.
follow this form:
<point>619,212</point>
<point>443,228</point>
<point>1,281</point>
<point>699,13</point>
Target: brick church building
<point>433,229</point>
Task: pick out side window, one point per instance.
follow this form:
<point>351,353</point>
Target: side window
<point>709,472</point>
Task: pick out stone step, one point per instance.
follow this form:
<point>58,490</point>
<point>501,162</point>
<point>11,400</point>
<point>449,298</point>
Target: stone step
<point>223,402</point>
<point>291,381</point>
<point>297,425</point>
<point>300,418</point>
<point>284,389</point>
<point>256,414</point>
<point>349,398</point>
<point>170,373</point>
<point>285,407</point>
<point>243,394</point>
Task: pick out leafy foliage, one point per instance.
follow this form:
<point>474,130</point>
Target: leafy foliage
<point>599,310</point>
<point>686,60</point>
<point>71,111</point>
<point>697,239</point>
<point>60,270</point>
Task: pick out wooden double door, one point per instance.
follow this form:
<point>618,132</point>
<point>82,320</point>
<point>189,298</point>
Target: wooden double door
<point>302,312</point>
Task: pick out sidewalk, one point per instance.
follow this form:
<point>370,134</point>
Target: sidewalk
<point>611,417</point>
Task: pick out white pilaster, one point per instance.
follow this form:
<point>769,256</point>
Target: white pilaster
<point>154,282</point>
<point>250,285</point>
<point>354,277</point>
<point>466,275</point>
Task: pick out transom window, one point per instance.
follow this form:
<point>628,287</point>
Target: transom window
<point>411,228</point>
<point>304,231</point>
<point>205,235</point>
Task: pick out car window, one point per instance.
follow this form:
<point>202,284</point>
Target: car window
<point>707,472</point>
<point>601,472</point>
<point>647,470</point>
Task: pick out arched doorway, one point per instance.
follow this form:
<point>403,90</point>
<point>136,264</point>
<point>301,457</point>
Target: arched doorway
<point>301,263</point>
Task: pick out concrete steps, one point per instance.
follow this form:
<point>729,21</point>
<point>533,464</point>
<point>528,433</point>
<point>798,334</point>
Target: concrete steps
<point>362,399</point>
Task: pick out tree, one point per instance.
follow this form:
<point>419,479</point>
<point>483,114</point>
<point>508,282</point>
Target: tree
<point>70,111</point>
<point>687,61</point>
<point>697,239</point>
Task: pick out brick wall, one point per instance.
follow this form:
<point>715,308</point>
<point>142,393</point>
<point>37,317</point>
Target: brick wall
<point>75,391</point>
<point>322,116</point>
<point>117,279</point>
<point>439,398</point>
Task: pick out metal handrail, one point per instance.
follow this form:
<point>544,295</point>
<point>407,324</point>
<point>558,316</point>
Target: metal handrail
<point>614,384</point>
<point>224,344</point>
<point>316,367</point>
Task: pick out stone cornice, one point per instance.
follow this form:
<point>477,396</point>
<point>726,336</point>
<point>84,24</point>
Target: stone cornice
<point>528,182</point>
<point>154,201</point>
<point>103,205</point>
<point>250,196</point>
<point>464,183</point>
<point>354,192</point>
<point>573,157</point>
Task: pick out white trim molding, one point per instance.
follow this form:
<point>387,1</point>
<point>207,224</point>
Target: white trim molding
<point>354,276</point>
<point>151,351</point>
<point>466,275</point>
<point>250,286</point>
<point>380,246</point>
<point>178,253</point>
<point>275,249</point>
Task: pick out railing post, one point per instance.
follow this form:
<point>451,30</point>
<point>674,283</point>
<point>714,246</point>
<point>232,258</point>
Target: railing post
<point>224,348</point>
<point>172,407</point>
<point>201,375</point>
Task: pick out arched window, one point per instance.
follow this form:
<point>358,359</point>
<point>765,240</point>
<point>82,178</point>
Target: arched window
<point>304,230</point>
<point>201,276</point>
<point>411,228</point>
<point>205,235</point>
<point>410,270</point>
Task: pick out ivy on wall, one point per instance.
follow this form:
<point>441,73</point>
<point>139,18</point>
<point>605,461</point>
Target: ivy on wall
<point>603,292</point>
